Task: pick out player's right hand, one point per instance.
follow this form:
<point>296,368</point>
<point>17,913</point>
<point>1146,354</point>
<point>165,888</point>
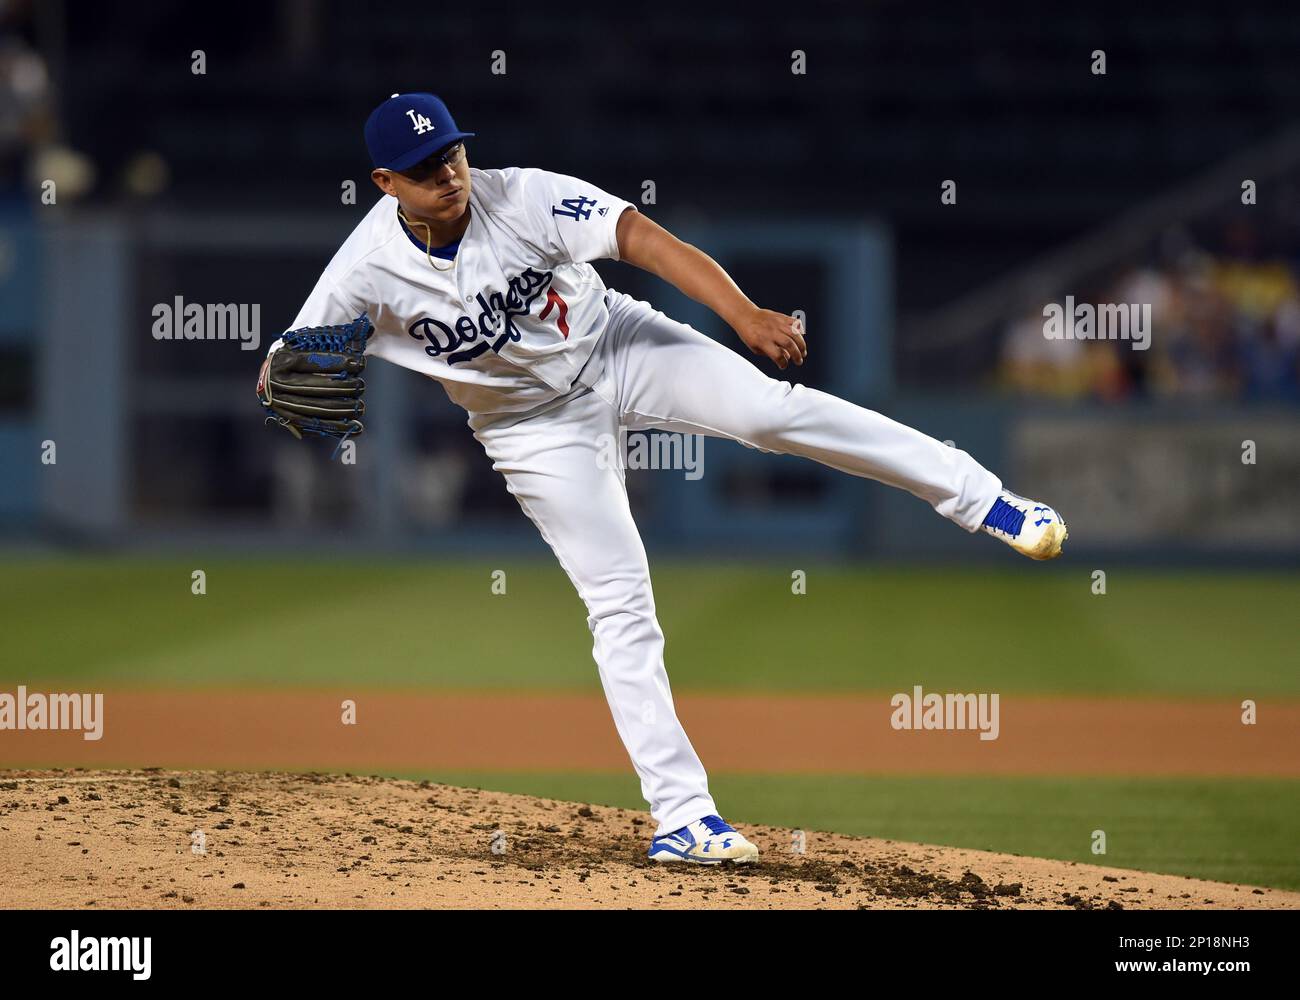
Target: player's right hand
<point>311,381</point>
<point>776,336</point>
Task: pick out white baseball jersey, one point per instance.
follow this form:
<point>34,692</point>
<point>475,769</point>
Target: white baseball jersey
<point>509,323</point>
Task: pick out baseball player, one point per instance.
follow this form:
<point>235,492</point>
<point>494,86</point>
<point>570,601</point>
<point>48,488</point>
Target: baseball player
<point>481,279</point>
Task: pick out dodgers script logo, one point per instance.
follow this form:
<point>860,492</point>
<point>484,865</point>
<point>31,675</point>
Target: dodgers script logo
<point>495,319</point>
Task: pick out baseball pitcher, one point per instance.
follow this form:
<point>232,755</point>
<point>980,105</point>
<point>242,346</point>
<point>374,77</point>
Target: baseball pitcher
<point>482,280</point>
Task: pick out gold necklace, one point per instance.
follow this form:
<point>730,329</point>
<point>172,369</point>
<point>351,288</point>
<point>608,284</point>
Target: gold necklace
<point>428,239</point>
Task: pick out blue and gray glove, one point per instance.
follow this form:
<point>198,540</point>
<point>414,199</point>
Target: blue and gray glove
<point>311,381</point>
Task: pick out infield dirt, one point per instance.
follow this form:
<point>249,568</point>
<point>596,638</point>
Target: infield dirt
<point>200,839</point>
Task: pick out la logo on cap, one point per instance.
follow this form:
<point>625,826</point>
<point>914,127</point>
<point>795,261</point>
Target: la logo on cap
<point>420,122</point>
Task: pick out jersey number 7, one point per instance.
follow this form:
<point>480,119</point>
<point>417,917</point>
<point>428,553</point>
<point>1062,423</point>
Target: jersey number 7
<point>553,301</point>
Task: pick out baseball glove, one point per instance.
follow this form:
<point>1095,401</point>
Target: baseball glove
<point>311,383</point>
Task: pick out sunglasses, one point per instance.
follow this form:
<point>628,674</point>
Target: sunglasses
<point>431,165</point>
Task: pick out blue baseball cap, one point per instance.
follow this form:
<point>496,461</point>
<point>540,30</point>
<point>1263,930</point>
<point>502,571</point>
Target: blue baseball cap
<point>406,128</point>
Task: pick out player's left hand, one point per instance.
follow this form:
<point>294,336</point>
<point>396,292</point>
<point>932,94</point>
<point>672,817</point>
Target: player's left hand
<point>776,336</point>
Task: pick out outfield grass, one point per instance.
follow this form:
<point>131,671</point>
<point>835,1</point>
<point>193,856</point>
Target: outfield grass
<point>1027,629</point>
<point>1233,831</point>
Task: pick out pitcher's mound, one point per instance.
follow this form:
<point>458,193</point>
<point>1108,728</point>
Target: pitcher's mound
<point>194,839</point>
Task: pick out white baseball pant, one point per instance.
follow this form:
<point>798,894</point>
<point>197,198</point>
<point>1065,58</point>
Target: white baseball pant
<point>649,371</point>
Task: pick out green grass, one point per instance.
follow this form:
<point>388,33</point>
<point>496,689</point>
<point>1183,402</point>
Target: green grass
<point>1232,831</point>
<point>1025,629</point>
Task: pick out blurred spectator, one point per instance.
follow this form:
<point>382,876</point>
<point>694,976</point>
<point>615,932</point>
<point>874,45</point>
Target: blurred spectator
<point>26,119</point>
<point>1225,311</point>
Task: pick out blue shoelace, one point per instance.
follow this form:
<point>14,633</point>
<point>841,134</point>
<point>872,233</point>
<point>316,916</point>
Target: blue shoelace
<point>717,825</point>
<point>1003,517</point>
<point>347,337</point>
<point>320,340</point>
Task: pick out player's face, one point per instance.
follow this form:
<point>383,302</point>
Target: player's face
<point>436,188</point>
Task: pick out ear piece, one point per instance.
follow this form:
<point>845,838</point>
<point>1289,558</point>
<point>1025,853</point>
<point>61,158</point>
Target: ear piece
<point>428,239</point>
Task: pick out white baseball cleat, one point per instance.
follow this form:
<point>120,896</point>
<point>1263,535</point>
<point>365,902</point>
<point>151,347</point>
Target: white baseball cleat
<point>710,840</point>
<point>1031,528</point>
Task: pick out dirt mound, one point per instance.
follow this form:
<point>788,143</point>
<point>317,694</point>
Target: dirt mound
<point>118,839</point>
